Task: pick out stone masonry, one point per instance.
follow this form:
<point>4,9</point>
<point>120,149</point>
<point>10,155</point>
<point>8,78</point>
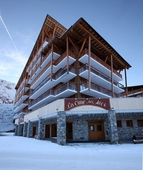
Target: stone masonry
<point>20,130</point>
<point>41,129</point>
<point>61,128</point>
<point>25,129</point>
<point>126,133</point>
<point>113,132</point>
<point>80,130</point>
<point>29,129</point>
<point>16,130</point>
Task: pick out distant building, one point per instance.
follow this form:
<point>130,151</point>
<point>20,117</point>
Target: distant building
<point>133,91</point>
<point>70,88</point>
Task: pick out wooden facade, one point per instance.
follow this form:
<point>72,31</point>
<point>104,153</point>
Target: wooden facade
<point>69,63</point>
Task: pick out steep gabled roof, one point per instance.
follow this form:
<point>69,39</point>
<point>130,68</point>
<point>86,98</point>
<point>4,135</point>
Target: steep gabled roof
<point>81,30</point>
<point>50,26</point>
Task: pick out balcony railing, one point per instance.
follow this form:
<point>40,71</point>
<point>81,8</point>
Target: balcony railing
<point>48,65</point>
<point>54,93</point>
<point>85,51</point>
<point>23,84</point>
<point>64,87</point>
<point>44,95</point>
<point>64,55</point>
<point>19,96</point>
<point>55,77</point>
<point>97,88</point>
<point>100,74</point>
<point>40,85</point>
<point>42,61</point>
<point>55,62</point>
<point>63,71</point>
<point>38,55</point>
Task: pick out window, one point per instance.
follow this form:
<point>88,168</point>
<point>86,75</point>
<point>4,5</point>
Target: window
<point>119,123</point>
<point>99,127</point>
<point>91,127</point>
<point>129,123</point>
<point>140,123</point>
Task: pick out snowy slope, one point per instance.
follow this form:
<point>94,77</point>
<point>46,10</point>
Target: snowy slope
<point>6,117</point>
<point>7,92</point>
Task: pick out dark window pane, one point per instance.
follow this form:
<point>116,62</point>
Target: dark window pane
<point>119,123</point>
<point>129,123</point>
<point>99,127</point>
<point>140,123</point>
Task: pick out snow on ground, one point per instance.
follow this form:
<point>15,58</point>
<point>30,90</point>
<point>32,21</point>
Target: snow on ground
<point>21,153</point>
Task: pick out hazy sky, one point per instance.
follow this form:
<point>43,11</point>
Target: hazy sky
<point>119,22</point>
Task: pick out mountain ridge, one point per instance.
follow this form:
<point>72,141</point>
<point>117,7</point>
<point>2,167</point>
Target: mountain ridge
<point>7,92</point>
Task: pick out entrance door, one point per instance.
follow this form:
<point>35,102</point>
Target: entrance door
<point>54,130</point>
<point>69,131</point>
<point>34,131</point>
<point>96,131</point>
<point>47,131</point>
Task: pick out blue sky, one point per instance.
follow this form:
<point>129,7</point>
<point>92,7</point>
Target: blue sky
<point>119,22</point>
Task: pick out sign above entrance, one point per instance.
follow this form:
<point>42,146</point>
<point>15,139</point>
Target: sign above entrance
<point>72,103</point>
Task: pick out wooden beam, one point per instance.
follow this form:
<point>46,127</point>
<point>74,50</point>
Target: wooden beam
<point>126,88</point>
<point>53,22</point>
<point>42,36</point>
<point>83,38</point>
<point>57,49</point>
<point>67,49</point>
<point>82,47</point>
<point>100,43</point>
<point>72,43</point>
<point>46,32</point>
<point>112,86</point>
<point>51,75</point>
<point>77,35</point>
<point>106,59</point>
<point>54,31</point>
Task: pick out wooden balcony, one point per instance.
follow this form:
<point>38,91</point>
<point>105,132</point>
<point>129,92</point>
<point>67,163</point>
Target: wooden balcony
<point>99,74</point>
<point>96,91</point>
<point>85,51</point>
<point>63,91</point>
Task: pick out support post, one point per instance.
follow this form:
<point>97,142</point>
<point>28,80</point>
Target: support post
<point>61,128</point>
<point>67,45</point>
<point>29,130</point>
<point>20,130</point>
<point>126,88</point>
<point>112,86</point>
<point>51,75</point>
<point>113,131</point>
<point>16,130</point>
<point>89,66</point>
<point>25,129</point>
<point>40,129</point>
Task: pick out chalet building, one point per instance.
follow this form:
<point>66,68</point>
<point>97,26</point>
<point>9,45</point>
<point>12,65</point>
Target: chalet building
<point>133,91</point>
<point>70,88</point>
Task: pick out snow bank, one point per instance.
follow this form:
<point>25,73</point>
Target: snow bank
<point>32,154</point>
